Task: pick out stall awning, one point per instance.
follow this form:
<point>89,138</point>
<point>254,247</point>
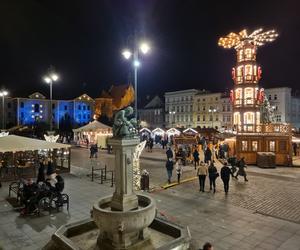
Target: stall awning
<point>14,143</point>
<point>93,126</point>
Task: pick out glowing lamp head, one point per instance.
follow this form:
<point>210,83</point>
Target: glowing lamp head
<point>127,54</point>
<point>144,47</point>
<point>136,63</point>
<point>47,79</point>
<point>3,93</point>
<point>54,77</point>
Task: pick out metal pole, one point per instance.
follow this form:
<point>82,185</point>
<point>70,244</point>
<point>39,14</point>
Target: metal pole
<point>3,111</point>
<point>51,111</point>
<point>135,83</point>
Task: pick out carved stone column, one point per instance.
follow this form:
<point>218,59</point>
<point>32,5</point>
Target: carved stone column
<point>124,198</point>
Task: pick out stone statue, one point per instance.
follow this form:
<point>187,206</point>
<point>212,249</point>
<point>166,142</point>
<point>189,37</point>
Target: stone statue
<point>122,126</point>
<point>267,112</point>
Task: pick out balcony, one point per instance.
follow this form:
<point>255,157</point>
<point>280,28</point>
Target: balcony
<point>272,128</point>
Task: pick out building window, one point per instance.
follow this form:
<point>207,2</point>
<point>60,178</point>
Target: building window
<point>270,97</point>
<point>217,118</point>
<point>181,108</point>
<point>198,118</point>
<point>9,105</point>
<point>210,118</point>
<point>203,108</point>
<point>88,107</point>
<point>36,108</point>
<point>66,107</point>
<point>83,107</point>
<point>53,105</point>
<point>177,108</point>
<point>275,97</point>
<point>84,116</point>
<point>272,146</point>
<point>228,108</point>
<point>88,116</point>
<point>223,108</point>
<point>79,116</point>
<point>22,104</point>
<point>244,145</point>
<point>204,118</point>
<point>79,107</point>
<point>22,114</point>
<point>254,145</point>
<point>278,118</point>
<point>216,98</point>
<point>203,99</point>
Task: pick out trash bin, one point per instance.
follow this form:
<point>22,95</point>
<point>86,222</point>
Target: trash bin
<point>145,180</point>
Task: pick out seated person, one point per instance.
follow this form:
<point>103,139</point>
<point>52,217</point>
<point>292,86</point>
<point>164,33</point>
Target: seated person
<point>30,197</point>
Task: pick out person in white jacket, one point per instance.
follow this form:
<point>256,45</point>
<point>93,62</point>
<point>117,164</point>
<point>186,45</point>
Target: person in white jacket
<point>178,168</point>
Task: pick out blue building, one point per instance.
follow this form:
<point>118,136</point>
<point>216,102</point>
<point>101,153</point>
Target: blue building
<point>36,108</point>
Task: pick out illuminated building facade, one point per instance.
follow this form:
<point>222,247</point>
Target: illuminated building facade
<point>37,108</point>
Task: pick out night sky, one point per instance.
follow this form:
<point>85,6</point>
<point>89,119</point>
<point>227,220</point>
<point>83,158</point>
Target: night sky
<point>83,41</point>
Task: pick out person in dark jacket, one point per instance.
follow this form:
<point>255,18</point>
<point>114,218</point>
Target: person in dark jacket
<point>207,156</point>
<point>196,157</point>
<point>41,172</point>
<point>169,167</point>
<point>169,153</point>
<point>241,166</point>
<point>213,174</point>
<point>225,176</point>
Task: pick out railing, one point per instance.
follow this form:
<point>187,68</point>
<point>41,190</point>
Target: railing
<point>103,175</point>
<point>272,128</point>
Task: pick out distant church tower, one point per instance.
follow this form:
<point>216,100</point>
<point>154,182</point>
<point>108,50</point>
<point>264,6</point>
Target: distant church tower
<point>246,96</point>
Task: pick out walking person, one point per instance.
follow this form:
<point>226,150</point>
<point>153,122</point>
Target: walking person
<point>178,170</point>
<point>212,174</point>
<point>169,153</point>
<point>169,167</point>
<point>196,157</point>
<point>225,176</point>
<point>202,173</point>
<point>207,156</point>
<point>207,246</point>
<point>241,166</point>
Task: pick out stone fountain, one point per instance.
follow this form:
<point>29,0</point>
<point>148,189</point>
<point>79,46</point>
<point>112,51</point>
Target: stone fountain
<point>124,220</point>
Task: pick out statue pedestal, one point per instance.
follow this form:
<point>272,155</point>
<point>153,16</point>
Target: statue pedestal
<point>124,198</point>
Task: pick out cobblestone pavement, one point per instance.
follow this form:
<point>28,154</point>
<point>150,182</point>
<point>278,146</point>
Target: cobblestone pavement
<point>260,214</point>
<point>272,192</point>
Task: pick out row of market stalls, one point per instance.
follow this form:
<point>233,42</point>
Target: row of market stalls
<point>20,156</point>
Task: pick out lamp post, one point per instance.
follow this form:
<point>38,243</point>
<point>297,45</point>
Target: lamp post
<point>50,78</point>
<point>212,111</point>
<point>127,54</point>
<point>3,93</point>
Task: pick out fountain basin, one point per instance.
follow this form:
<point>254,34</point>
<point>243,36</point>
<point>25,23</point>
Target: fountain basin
<point>124,222</point>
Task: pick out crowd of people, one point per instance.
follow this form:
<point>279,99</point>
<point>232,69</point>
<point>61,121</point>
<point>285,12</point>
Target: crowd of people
<point>206,168</point>
<point>47,182</point>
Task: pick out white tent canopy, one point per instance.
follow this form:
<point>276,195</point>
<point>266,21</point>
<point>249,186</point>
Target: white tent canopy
<point>92,127</point>
<point>14,143</point>
<point>173,131</point>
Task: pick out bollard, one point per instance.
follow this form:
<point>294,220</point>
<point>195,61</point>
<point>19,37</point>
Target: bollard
<point>112,178</point>
<point>92,173</point>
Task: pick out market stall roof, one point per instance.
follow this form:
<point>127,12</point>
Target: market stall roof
<point>172,131</point>
<point>145,129</point>
<point>14,143</point>
<point>190,130</point>
<point>92,126</point>
<point>158,131</point>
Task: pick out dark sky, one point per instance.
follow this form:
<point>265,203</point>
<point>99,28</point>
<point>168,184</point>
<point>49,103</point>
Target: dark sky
<point>83,40</point>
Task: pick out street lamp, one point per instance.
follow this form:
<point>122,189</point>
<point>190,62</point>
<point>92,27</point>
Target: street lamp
<point>212,120</point>
<point>127,54</point>
<point>49,79</point>
<point>3,93</point>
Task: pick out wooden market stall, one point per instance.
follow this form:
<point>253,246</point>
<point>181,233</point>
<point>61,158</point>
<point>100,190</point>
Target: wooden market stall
<point>93,133</point>
<point>19,156</point>
<point>184,147</point>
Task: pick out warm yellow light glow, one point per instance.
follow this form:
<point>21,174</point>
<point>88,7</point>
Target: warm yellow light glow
<point>257,38</point>
<point>145,47</point>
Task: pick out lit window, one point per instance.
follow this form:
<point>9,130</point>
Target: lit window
<point>237,118</point>
<point>254,145</point>
<point>249,95</point>
<point>272,146</point>
<point>244,145</point>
